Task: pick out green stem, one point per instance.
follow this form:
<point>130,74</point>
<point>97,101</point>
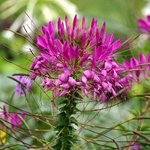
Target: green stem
<point>66,122</point>
<point>139,124</point>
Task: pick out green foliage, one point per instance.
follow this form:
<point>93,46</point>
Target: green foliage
<point>65,123</point>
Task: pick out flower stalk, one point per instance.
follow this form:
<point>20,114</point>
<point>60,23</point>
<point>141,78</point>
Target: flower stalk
<point>135,136</point>
<point>66,122</point>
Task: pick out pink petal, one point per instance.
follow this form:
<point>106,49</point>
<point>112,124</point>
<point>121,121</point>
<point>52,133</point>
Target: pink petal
<point>84,79</point>
<point>72,81</point>
<point>116,45</point>
<point>142,59</point>
<point>41,42</point>
<point>102,31</point>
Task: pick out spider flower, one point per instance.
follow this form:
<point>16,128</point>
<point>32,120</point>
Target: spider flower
<point>24,85</point>
<point>144,24</point>
<point>138,68</point>
<point>14,119</point>
<point>78,57</point>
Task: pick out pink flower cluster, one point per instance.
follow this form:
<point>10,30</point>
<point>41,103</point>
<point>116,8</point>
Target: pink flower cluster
<point>144,24</point>
<point>24,85</point>
<point>79,57</point>
<point>12,118</point>
<point>138,68</point>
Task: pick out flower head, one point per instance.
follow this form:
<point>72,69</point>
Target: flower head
<point>78,57</point>
<point>24,85</point>
<point>14,119</point>
<point>138,68</point>
<point>144,24</point>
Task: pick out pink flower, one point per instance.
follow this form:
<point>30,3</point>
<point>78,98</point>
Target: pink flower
<point>24,85</point>
<point>104,83</point>
<point>12,118</point>
<point>79,57</point>
<point>137,146</point>
<point>144,24</point>
<point>138,68</point>
<point>15,120</point>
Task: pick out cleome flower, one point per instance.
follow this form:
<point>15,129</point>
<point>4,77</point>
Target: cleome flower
<point>144,24</point>
<point>138,68</point>
<point>79,57</point>
<point>14,119</point>
<point>24,85</point>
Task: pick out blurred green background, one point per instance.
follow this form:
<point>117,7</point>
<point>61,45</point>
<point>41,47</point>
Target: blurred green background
<point>20,21</point>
